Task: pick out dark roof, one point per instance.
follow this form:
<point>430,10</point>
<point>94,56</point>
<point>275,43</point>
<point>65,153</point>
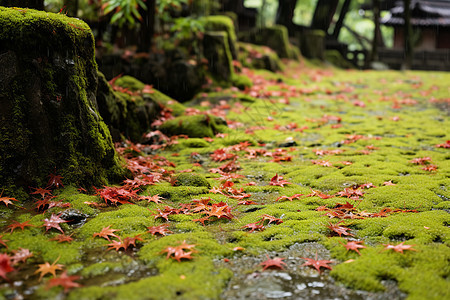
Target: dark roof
<point>423,13</point>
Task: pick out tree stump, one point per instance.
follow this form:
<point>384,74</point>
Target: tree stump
<point>48,112</point>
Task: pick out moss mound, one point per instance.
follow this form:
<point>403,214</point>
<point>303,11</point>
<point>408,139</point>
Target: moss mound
<point>49,119</point>
<point>191,179</point>
<point>197,126</point>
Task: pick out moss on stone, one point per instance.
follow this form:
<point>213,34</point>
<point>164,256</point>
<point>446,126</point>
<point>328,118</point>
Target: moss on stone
<point>52,84</point>
<point>241,81</point>
<point>197,126</point>
<point>135,85</point>
<point>194,143</point>
<point>191,179</point>
<point>336,59</point>
<point>274,37</point>
<point>177,193</point>
<point>259,57</point>
<point>223,23</point>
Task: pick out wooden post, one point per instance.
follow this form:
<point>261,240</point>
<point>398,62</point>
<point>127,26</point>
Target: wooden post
<point>408,39</point>
<point>376,31</point>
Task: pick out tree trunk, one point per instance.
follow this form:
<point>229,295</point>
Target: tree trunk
<point>147,26</point>
<point>323,14</point>
<point>71,7</point>
<point>376,31</point>
<point>35,4</point>
<point>408,40</point>
<point>285,13</point>
<point>340,22</point>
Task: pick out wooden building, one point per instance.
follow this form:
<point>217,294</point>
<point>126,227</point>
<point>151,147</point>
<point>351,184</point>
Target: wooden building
<point>430,20</point>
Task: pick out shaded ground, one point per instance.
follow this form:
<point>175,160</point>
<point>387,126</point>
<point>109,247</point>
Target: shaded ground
<point>313,159</point>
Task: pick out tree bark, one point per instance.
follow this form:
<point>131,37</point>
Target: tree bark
<point>376,31</point>
<point>408,41</point>
<point>147,26</point>
<point>71,7</point>
<point>35,4</point>
<point>285,13</point>
<point>323,14</point>
<point>340,22</point>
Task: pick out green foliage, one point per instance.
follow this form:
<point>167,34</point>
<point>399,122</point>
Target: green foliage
<point>165,7</point>
<point>123,11</point>
<point>185,28</point>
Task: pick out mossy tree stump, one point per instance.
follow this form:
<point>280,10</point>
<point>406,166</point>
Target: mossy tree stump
<point>48,116</point>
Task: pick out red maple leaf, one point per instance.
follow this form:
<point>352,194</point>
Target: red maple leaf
<point>317,264</point>
<point>155,198</point>
<point>16,224</point>
<point>114,195</point>
<point>319,194</point>
<point>421,160</point>
<point>388,183</point>
<point>5,265</point>
<point>21,255</point>
<point>53,222</point>
<point>340,230</point>
<point>399,248</point>
<point>221,155</point>
<point>67,282</point>
<point>6,200</point>
<point>354,245</point>
<point>106,232</point>
<point>179,252</point>
<point>278,181</point>
<point>270,218</point>
<point>276,263</point>
<point>3,242</point>
<point>254,226</point>
<point>247,202</point>
<point>161,229</point>
<point>324,163</point>
<point>62,238</point>
<point>444,145</point>
<point>296,196</point>
<point>41,191</point>
<point>55,180</point>
<point>47,268</point>
<point>125,243</point>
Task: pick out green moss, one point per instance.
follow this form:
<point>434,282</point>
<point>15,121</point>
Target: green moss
<point>335,58</point>
<point>197,126</point>
<point>135,85</point>
<point>223,23</point>
<point>241,81</point>
<point>63,51</point>
<point>129,219</point>
<point>191,179</point>
<point>176,193</point>
<point>194,143</point>
<point>259,57</point>
<point>367,270</point>
<point>274,37</point>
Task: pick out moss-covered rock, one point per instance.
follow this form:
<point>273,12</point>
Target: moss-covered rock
<point>274,37</point>
<point>335,58</point>
<point>131,113</point>
<point>191,179</point>
<point>312,44</point>
<point>259,57</point>
<point>217,52</point>
<point>49,121</point>
<point>241,81</point>
<point>196,126</point>
<point>223,23</point>
<point>154,95</point>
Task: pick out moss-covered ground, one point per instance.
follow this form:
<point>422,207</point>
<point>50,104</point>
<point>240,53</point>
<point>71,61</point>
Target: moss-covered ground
<point>363,158</point>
